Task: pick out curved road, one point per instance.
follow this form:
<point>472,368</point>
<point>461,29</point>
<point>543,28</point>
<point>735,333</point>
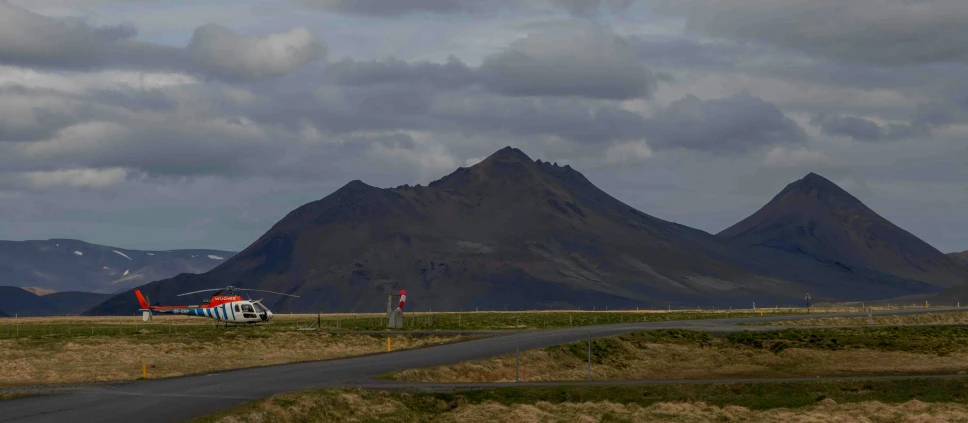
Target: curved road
<point>182,398</point>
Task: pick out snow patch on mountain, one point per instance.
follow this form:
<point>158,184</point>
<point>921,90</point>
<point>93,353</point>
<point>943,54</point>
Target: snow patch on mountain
<point>126,273</point>
<point>214,257</point>
<point>79,253</point>
<point>122,254</point>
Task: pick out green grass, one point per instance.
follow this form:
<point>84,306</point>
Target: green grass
<point>939,340</point>
<point>185,327</point>
<point>755,396</point>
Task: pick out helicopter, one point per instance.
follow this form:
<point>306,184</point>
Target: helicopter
<point>228,308</point>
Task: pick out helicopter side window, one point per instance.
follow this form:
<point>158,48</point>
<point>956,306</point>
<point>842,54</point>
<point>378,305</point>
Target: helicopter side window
<point>247,308</point>
<point>237,309</point>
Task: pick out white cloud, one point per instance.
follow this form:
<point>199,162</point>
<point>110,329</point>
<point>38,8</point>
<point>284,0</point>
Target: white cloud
<point>628,153</point>
<point>74,178</point>
<point>784,157</point>
<point>228,54</point>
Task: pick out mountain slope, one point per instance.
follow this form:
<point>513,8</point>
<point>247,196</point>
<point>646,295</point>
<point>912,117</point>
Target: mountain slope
<point>816,218</point>
<point>16,301</point>
<point>512,233</point>
<point>3,314</point>
<point>961,258</point>
<point>71,265</point>
<point>74,302</point>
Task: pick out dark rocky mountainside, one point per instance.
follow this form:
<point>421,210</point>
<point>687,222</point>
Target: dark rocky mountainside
<point>961,258</point>
<point>72,265</point>
<point>15,300</point>
<point>816,218</point>
<point>74,302</point>
<point>508,232</point>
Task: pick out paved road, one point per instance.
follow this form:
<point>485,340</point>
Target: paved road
<point>182,398</point>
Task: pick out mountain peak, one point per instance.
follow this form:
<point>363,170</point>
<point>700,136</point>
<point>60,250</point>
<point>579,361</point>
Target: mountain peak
<point>509,153</point>
<point>815,217</point>
<point>818,188</point>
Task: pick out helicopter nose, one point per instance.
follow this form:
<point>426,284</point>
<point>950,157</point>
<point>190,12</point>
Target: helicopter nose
<point>268,314</point>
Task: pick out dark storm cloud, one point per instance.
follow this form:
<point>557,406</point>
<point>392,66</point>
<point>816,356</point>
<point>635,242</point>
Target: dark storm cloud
<point>731,125</point>
<point>30,39</point>
<point>397,8</point>
<point>951,109</point>
<point>583,61</point>
<point>591,8</point>
<point>883,32</point>
<point>28,114</point>
<point>862,129</point>
<point>558,62</point>
<point>569,118</point>
<point>450,75</point>
<point>223,53</point>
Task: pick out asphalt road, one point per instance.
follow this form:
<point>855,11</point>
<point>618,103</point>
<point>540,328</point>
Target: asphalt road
<point>182,398</point>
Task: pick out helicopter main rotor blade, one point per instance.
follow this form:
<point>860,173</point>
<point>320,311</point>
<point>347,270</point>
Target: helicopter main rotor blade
<point>271,292</point>
<point>204,290</point>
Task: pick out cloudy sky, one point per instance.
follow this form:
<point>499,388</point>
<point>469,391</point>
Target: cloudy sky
<point>180,124</point>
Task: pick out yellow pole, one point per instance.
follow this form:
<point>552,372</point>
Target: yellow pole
<point>761,312</point>
<point>925,304</point>
<point>388,344</point>
<point>144,370</point>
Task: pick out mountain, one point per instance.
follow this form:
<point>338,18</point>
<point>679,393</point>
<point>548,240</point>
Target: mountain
<point>72,265</point>
<point>961,258</point>
<point>16,301</point>
<point>815,218</point>
<point>2,314</point>
<point>74,302</point>
<point>27,304</point>
<point>511,233</point>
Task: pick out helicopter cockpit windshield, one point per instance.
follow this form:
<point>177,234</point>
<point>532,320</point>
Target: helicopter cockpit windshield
<point>262,310</point>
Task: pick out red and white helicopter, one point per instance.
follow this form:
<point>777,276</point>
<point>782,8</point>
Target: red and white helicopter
<point>229,308</point>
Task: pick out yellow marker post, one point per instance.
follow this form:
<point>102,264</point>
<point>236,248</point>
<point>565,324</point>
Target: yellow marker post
<point>761,312</point>
<point>925,304</point>
<point>144,370</point>
<point>388,344</point>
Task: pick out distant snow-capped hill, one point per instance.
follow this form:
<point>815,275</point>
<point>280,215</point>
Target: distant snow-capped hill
<point>72,265</point>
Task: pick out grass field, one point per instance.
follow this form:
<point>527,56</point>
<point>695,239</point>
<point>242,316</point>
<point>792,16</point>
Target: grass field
<point>52,351</point>
<point>950,318</point>
<point>74,326</point>
<point>861,401</point>
<point>61,327</point>
<point>679,354</point>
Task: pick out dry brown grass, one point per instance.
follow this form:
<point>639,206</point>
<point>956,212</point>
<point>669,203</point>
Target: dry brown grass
<point>356,406</point>
<point>676,361</point>
<point>827,411</point>
<point>952,318</point>
<point>115,358</point>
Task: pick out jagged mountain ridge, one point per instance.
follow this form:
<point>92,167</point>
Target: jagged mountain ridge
<point>816,218</point>
<point>72,265</point>
<point>507,232</point>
